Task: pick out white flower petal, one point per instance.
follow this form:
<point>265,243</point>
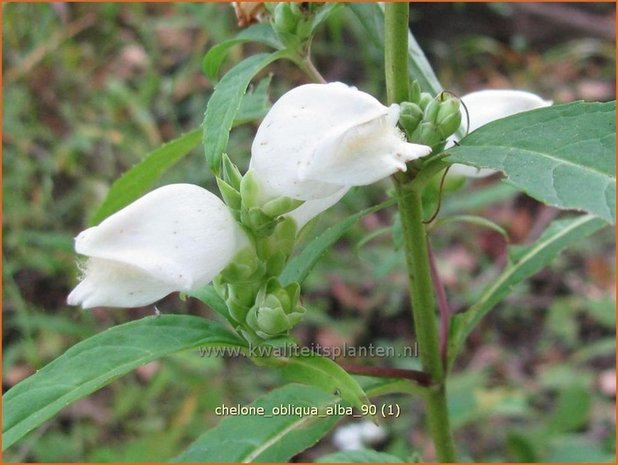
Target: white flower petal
<point>179,235</point>
<point>457,169</point>
<point>107,283</point>
<point>485,106</point>
<point>312,208</point>
<point>363,154</point>
<point>318,138</point>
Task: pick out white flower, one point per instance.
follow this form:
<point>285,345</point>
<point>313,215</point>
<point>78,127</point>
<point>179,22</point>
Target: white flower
<point>486,106</point>
<point>175,238</point>
<point>357,436</point>
<point>318,140</point>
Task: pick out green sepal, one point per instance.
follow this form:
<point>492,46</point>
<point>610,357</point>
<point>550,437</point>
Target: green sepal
<point>230,196</point>
<point>276,309</point>
<point>449,115</point>
<point>220,287</point>
<point>427,133</point>
<point>414,92</point>
<point>449,125</point>
<point>410,116</point>
<point>431,111</point>
<point>425,100</point>
<point>283,237</point>
<point>257,221</point>
<point>249,191</point>
<point>240,300</point>
<point>280,206</point>
<point>276,263</point>
<point>231,173</point>
<point>244,267</point>
<point>284,19</point>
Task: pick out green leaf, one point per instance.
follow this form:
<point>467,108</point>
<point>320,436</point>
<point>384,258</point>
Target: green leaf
<point>262,33</point>
<point>97,361</point>
<point>576,448</point>
<point>225,102</point>
<point>298,268</point>
<point>254,104</point>
<point>371,16</point>
<point>209,296</point>
<point>267,437</point>
<point>525,261</point>
<point>359,456</point>
<point>325,11</point>
<point>137,180</point>
<point>572,410</point>
<point>562,155</point>
<point>140,177</point>
<point>478,198</point>
<point>323,373</point>
<point>475,220</point>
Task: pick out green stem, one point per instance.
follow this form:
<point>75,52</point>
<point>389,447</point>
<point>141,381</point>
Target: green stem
<point>396,51</point>
<point>308,67</point>
<point>421,287</point>
<point>415,241</point>
<point>305,64</point>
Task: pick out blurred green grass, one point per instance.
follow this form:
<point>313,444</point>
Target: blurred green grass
<point>93,88</point>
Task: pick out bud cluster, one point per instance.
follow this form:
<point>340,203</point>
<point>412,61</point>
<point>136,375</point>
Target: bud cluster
<point>242,194</point>
<point>257,302</point>
<point>293,21</point>
<point>428,120</point>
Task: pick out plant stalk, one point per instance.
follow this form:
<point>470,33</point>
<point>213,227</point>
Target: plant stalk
<point>396,17</point>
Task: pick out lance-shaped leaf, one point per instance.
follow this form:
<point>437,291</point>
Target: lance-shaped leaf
<point>97,361</point>
<point>359,456</point>
<point>268,437</point>
<point>261,33</point>
<point>298,268</point>
<point>524,262</point>
<point>142,176</point>
<point>562,155</point>
<point>321,372</point>
<point>138,179</point>
<point>225,102</point>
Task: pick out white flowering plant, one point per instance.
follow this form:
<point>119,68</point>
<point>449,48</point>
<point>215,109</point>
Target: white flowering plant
<point>237,250</point>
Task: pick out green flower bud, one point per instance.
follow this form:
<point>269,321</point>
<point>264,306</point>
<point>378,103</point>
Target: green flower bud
<point>230,195</point>
<point>410,116</point>
<point>282,239</point>
<point>231,174</point>
<point>284,19</point>
<point>269,320</point>
<point>295,9</point>
<point>449,116</point>
<point>303,29</point>
<point>249,190</point>
<point>431,111</point>
<point>415,92</point>
<point>260,223</point>
<point>296,316</point>
<point>276,263</point>
<point>244,267</point>
<point>281,205</point>
<point>428,133</point>
<point>239,301</point>
<point>220,287</point>
<point>425,100</point>
<point>449,125</point>
<point>275,310</point>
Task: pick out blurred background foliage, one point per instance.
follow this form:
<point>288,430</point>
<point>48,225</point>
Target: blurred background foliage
<point>89,90</point>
